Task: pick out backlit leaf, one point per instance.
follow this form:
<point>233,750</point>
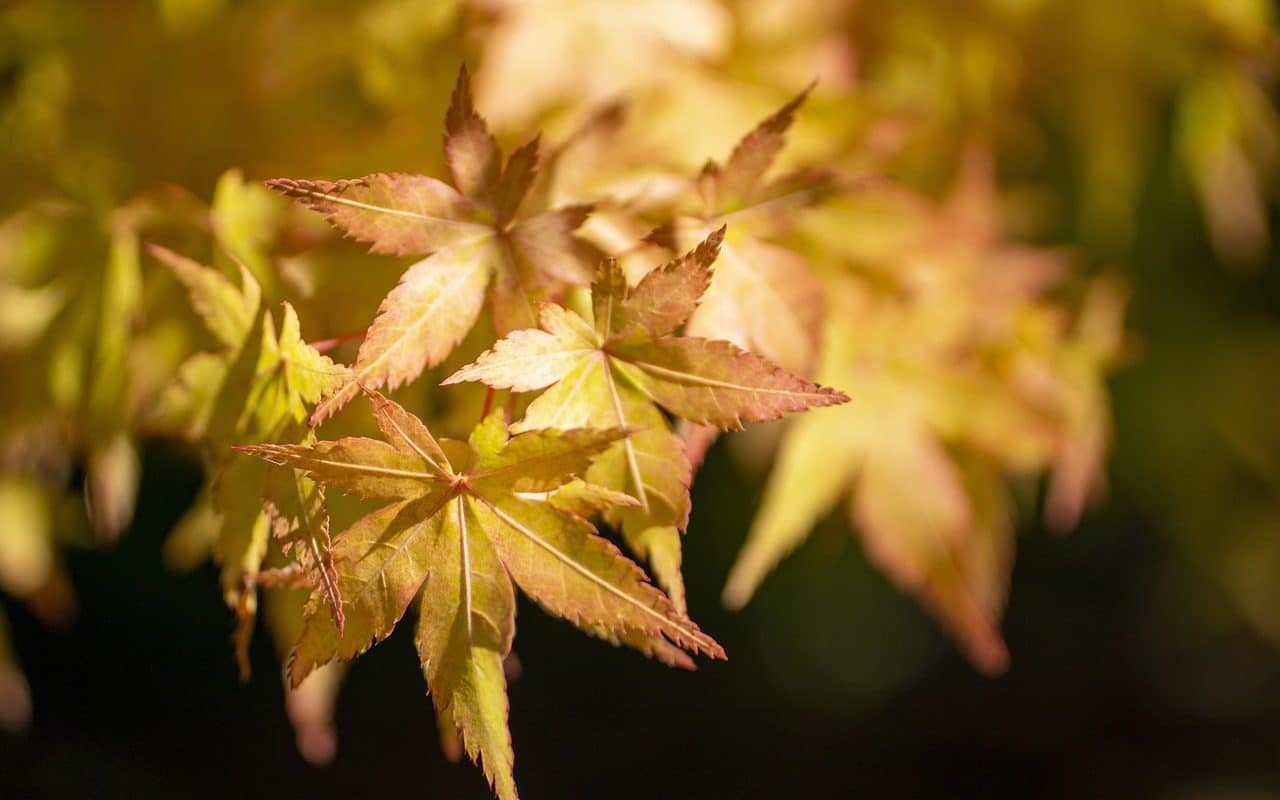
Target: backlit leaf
<point>464,521</point>
<point>471,240</point>
<point>620,368</point>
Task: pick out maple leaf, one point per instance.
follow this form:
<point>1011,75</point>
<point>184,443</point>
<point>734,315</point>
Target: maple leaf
<point>230,314</point>
<point>258,387</point>
<point>939,524</point>
<point>989,381</point>
<point>911,508</point>
<point>739,183</point>
<point>474,245</point>
<point>622,369</point>
<point>763,297</point>
<point>972,288</point>
<point>300,522</point>
<point>462,521</point>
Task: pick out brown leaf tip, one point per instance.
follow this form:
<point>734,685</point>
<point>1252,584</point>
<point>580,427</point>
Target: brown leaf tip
<point>306,190</point>
<point>781,120</point>
<point>709,250</point>
<point>663,236</point>
<point>461,109</point>
<point>267,452</point>
<point>832,397</point>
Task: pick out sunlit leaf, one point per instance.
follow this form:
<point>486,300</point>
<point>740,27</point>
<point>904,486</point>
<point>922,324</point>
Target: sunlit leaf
<point>459,531</point>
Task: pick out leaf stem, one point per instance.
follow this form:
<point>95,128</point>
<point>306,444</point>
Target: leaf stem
<point>488,403</point>
<point>325,345</point>
<point>288,577</point>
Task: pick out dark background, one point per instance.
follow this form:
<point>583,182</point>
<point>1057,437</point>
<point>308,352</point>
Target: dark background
<point>836,685</point>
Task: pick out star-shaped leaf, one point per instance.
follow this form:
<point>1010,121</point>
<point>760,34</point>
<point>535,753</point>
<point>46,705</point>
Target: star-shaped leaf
<point>474,245</point>
<point>461,522</point>
<point>622,369</point>
<point>740,182</point>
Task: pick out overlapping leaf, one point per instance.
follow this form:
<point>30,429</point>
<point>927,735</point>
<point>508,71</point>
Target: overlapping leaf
<point>474,245</point>
<point>911,501</point>
<point>622,368</point>
<point>762,297</point>
<point>944,412</point>
<point>461,522</point>
<point>257,387</point>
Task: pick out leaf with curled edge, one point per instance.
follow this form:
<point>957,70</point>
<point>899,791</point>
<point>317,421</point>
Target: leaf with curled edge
<point>621,369</point>
<point>472,243</point>
<point>262,379</point>
<point>258,386</point>
<point>461,522</point>
<point>299,518</point>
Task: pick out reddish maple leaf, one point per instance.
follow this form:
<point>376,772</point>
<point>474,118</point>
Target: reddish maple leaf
<point>474,241</point>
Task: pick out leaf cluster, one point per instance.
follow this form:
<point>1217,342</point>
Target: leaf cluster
<point>598,365</point>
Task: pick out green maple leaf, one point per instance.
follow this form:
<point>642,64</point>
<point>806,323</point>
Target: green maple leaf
<point>462,521</point>
<point>622,369</point>
<point>229,313</point>
<point>257,387</point>
<point>474,245</point>
<point>259,384</point>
